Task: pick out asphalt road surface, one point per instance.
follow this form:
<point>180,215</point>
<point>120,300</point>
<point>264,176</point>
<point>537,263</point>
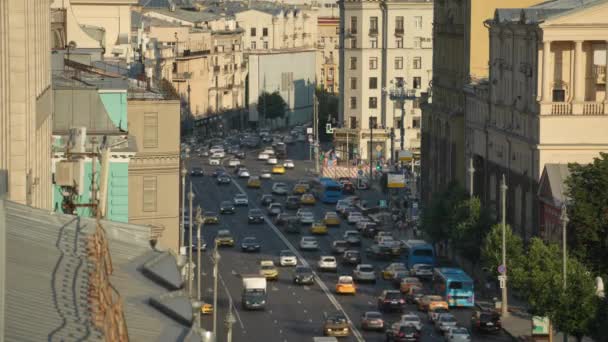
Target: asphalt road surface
<point>293,313</point>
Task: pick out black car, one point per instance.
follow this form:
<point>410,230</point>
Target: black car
<point>391,300</point>
<point>303,275</point>
<point>239,154</point>
<point>266,200</point>
<point>218,172</point>
<point>255,216</point>
<point>226,207</point>
<point>292,226</point>
<point>250,244</point>
<point>379,252</point>
<point>292,202</point>
<point>351,257</point>
<point>223,179</point>
<point>403,333</point>
<point>371,230</point>
<point>486,321</point>
<point>196,172</point>
<point>281,219</point>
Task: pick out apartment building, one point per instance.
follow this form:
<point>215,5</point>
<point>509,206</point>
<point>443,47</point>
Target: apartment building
<point>26,103</point>
<point>328,51</point>
<point>460,53</point>
<point>384,43</point>
<point>544,102</point>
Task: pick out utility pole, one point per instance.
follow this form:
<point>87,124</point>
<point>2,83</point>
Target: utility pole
<point>347,154</point>
<point>230,320</point>
<point>393,145</point>
<point>199,224</point>
<point>504,311</point>
<point>316,130</point>
<point>371,154</point>
<point>216,275</point>
<point>190,266</point>
<point>471,171</point>
<point>565,219</point>
<point>398,94</point>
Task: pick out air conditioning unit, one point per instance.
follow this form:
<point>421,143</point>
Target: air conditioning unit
<point>70,173</point>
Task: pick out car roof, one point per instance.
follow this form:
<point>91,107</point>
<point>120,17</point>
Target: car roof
<point>223,231</point>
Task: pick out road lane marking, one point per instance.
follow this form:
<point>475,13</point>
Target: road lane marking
<point>322,285</point>
<point>238,317</point>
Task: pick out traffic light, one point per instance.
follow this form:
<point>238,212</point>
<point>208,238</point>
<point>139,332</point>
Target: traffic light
<point>378,166</point>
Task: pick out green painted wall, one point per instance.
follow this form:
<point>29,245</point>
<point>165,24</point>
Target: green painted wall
<point>118,192</point>
<point>115,104</point>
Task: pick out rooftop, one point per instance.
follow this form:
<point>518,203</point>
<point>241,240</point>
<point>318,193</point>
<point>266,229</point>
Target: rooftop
<point>543,11</point>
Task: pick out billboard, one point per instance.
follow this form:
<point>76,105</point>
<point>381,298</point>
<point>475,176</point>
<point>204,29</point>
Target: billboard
<point>405,156</point>
<point>395,181</point>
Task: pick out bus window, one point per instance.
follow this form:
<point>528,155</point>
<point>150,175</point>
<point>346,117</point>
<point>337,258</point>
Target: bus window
<point>455,285</point>
<point>423,252</point>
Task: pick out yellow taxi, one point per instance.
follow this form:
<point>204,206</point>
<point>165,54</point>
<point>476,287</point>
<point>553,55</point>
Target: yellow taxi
<point>408,282</point>
<point>389,272</point>
<point>210,217</point>
<point>254,182</point>
<point>436,304</point>
<point>269,270</point>
<point>346,285</point>
<point>308,199</point>
<point>278,169</point>
<point>318,228</point>
<point>206,309</point>
<point>331,219</point>
<point>300,188</point>
<point>425,302</point>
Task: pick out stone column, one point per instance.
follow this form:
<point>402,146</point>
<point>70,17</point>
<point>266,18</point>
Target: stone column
<point>606,80</point>
<point>547,77</point>
<point>579,72</point>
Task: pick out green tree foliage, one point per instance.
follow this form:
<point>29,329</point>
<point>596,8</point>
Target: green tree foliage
<point>271,106</point>
<point>470,223</point>
<point>588,212</point>
<point>600,327</point>
<point>328,109</point>
<point>491,253</point>
<point>437,217</point>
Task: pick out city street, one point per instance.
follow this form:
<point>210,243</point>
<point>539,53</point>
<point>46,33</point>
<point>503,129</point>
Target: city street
<point>293,313</point>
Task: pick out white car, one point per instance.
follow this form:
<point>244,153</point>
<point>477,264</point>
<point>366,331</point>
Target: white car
<point>263,156</point>
<point>240,199</point>
<point>341,205</point>
<point>288,164</point>
<point>445,322</point>
<point>272,161</point>
<point>364,272</point>
<point>214,161</point>
<point>354,217</point>
<point>279,188</point>
<point>269,151</point>
<point>215,149</point>
<point>309,243</point>
<point>458,334</point>
<point>234,162</point>
<point>266,174</point>
<point>244,173</point>
<point>287,258</point>
<point>220,154</point>
<point>411,318</point>
<point>307,218</point>
<point>327,263</point>
<point>422,270</point>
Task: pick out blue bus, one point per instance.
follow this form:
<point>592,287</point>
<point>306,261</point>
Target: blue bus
<point>455,285</point>
<point>419,252</point>
<point>328,190</point>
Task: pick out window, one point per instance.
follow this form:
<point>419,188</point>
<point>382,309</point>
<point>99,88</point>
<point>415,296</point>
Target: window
<point>373,122</point>
<point>374,43</point>
<point>353,102</point>
<point>373,63</point>
<point>373,25</point>
<point>418,21</point>
<point>265,32</point>
<point>253,31</point>
<point>399,80</point>
<point>559,95</point>
<point>417,82</point>
<point>373,83</point>
<point>353,122</point>
<point>265,45</point>
<point>149,194</point>
<point>150,130</point>
<point>399,24</point>
<point>416,122</point>
<point>337,29</point>
<point>416,103</point>
<point>353,63</point>
<point>353,83</point>
<point>398,123</point>
<point>253,47</point>
<point>353,43</point>
<point>399,42</point>
<point>373,102</point>
<point>398,63</point>
<point>353,25</point>
<point>417,63</point>
<point>322,73</point>
<point>416,42</point>
<point>331,72</point>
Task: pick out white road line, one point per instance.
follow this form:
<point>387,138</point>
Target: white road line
<point>322,285</point>
<point>238,317</point>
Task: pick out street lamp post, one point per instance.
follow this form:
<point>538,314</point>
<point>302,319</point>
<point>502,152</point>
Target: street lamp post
<point>216,263</point>
<point>371,150</point>
<point>230,320</point>
<point>199,224</point>
<point>399,94</point>
<point>503,194</point>
<point>565,219</point>
<point>190,266</point>
<point>183,225</point>
<point>471,171</point>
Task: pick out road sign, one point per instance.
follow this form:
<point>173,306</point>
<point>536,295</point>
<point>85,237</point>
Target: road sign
<point>501,281</point>
<point>395,181</point>
<point>328,129</point>
<point>378,148</point>
<point>502,269</point>
<point>309,130</point>
<point>540,326</point>
<point>360,172</point>
<point>405,156</point>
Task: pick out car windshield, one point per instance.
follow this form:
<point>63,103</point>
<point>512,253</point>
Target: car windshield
<point>255,212</point>
<point>373,315</point>
<point>460,331</point>
<point>249,240</point>
<point>393,295</point>
<point>286,253</point>
<point>268,267</point>
<point>447,319</point>
<point>352,254</point>
<point>239,196</point>
<point>485,317</point>
<point>210,214</point>
<point>340,243</point>
<point>407,329</point>
<point>366,269</point>
<point>329,259</point>
<point>226,204</point>
<point>309,239</point>
<point>223,234</point>
<point>303,270</point>
<point>336,320</point>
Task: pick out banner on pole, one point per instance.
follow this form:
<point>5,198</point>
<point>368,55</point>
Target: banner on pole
<point>395,181</point>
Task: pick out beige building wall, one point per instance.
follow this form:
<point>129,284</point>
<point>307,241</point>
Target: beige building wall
<point>460,52</point>
<point>375,58</point>
<point>26,100</point>
<point>328,48</point>
<point>154,171</point>
<point>228,69</point>
<point>546,104</point>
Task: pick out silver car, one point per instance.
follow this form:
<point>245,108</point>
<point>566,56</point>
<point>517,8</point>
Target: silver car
<point>445,322</point>
<point>309,243</point>
<point>364,273</point>
<point>240,199</point>
<point>458,334</point>
<point>412,319</point>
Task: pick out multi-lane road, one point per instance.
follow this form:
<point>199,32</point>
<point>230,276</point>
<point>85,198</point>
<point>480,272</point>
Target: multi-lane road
<point>293,313</point>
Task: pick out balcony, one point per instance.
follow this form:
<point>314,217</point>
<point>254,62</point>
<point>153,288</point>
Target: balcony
<point>599,72</point>
<point>373,32</point>
<point>216,69</point>
<point>566,108</point>
<point>399,32</point>
<point>181,76</point>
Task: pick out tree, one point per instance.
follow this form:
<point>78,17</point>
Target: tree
<point>328,109</point>
<point>470,223</point>
<point>437,218</point>
<point>491,253</point>
<point>587,188</point>
<point>542,283</point>
<point>271,105</point>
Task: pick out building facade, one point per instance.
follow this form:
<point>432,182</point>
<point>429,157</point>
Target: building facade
<point>460,53</point>
<point>544,101</point>
<point>328,48</point>
<point>383,43</point>
<point>26,104</point>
